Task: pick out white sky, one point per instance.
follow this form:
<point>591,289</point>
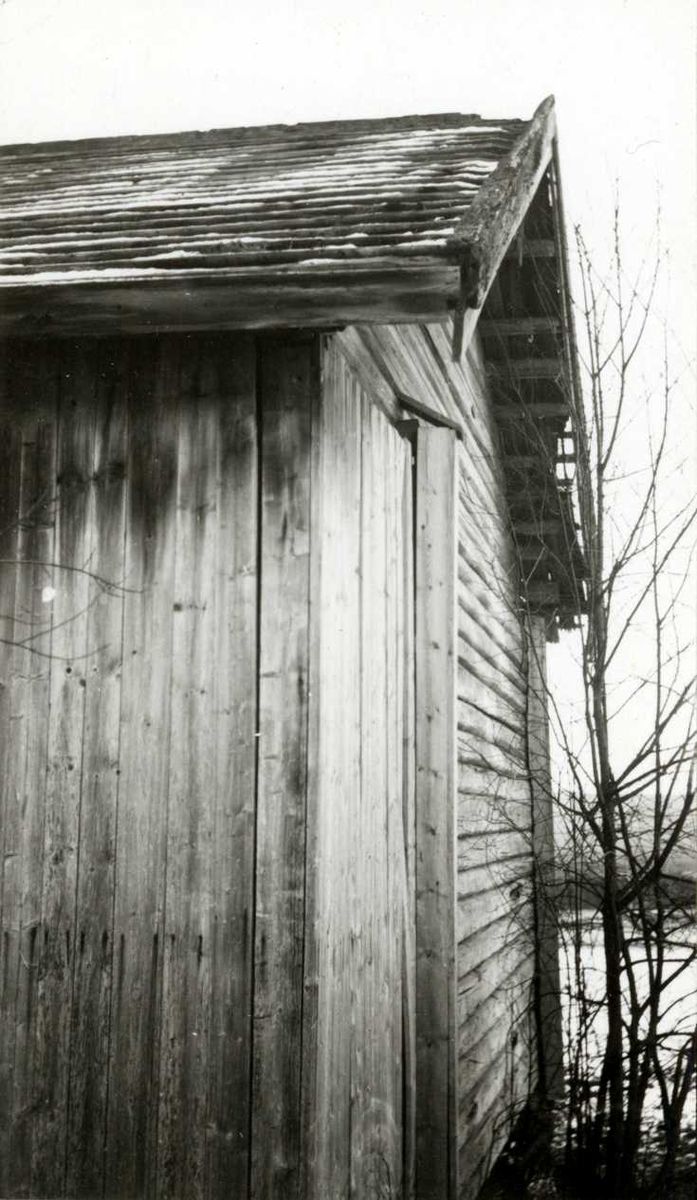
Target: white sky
<point>623,73</point>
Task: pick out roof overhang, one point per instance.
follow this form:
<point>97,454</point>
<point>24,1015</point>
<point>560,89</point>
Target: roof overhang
<point>421,280</point>
<point>469,218</point>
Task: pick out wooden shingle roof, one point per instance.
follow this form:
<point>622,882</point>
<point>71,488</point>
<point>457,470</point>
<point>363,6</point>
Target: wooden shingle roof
<point>391,220</point>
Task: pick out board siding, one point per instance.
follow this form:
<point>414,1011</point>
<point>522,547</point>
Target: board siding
<point>361,752</point>
<point>27,537</point>
<point>494,815</point>
<point>218,766</point>
<point>101,683</point>
<point>139,868</point>
<point>71,663</point>
<point>232,868</point>
<point>155,463</point>
<point>334,768</point>
<point>287,380</point>
<point>436,1054</point>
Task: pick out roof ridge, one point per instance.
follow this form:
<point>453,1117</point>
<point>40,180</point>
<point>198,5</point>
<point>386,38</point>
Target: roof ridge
<point>294,129</point>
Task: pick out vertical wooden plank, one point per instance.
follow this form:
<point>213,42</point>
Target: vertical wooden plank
<point>334,782</point>
<point>10,480</point>
<point>11,504</point>
<point>29,538</point>
<point>101,681</point>
<point>394,485</point>
<point>234,671</point>
<point>288,379</point>
<point>139,869</point>
<point>186,1034</point>
<point>376,1115</point>
<point>436,1159</point>
<point>316,849</point>
<point>409,831</point>
<point>70,666</point>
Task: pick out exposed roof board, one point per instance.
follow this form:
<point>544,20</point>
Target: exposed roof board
<point>398,219</point>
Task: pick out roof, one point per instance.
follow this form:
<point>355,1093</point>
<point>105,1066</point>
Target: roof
<point>392,220</point>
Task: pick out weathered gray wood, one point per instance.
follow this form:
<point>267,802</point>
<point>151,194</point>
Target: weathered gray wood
<point>376,1160</point>
<point>362,365</point>
<point>10,483</point>
<point>186,1049</point>
<point>436,1065</point>
<point>233,676</point>
<point>533,248</point>
<point>549,993</point>
<point>409,817</point>
<point>515,326</point>
<point>483,1030</point>
<point>494,919</point>
<point>105,368</point>
<point>288,379</point>
<point>71,663</point>
<point>527,368</point>
<point>397,614</point>
<point>334,778</point>
<point>393,293</point>
<point>484,1132</point>
<point>139,869</point>
<point>525,411</point>
<point>27,538</point>
<point>486,229</point>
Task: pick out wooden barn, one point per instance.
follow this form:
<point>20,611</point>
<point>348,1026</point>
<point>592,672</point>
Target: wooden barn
<point>285,520</point>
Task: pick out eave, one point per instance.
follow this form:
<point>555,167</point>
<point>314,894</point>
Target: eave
<point>411,278</point>
<point>376,294</point>
<point>528,339</point>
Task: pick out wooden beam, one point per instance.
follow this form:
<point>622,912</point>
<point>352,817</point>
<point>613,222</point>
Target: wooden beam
<point>543,593</point>
<point>436,833</point>
<point>429,414</point>
<point>541,529</point>
<point>535,408</point>
<point>314,298</point>
<point>288,377</point>
<point>482,237</point>
<point>534,248</point>
<point>527,368</point>
<point>518,326</point>
<point>547,949</point>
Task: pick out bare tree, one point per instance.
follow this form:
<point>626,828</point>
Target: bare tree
<point>624,800</point>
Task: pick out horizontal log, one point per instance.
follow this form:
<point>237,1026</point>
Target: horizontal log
<point>518,326</point>
<point>292,299</point>
<point>481,1024</point>
<point>533,248</point>
<point>541,529</point>
<point>481,238</point>
<point>526,409</point>
<point>541,593</point>
<point>527,368</point>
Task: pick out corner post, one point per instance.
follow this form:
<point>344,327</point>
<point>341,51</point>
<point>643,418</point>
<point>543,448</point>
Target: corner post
<point>549,1029</point>
<point>436,830</point>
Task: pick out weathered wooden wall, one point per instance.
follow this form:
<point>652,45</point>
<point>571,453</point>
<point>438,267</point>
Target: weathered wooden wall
<point>128,803</point>
<point>495,940</point>
<point>494,1053</point>
<point>204,894</point>
<point>266,923</point>
<point>361,765</point>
